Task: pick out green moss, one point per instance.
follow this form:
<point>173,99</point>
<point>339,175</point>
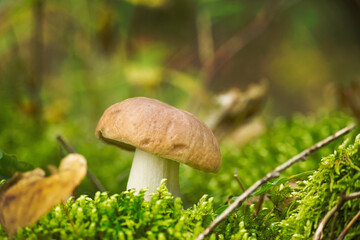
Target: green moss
<point>282,140</point>
<point>338,172</point>
<point>128,216</point>
<point>125,216</point>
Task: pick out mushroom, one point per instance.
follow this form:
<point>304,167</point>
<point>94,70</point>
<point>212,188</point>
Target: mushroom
<point>162,137</point>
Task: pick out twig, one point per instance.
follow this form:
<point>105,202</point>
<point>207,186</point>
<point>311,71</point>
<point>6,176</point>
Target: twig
<point>346,229</point>
<point>93,179</point>
<point>205,43</point>
<point>343,198</point>
<point>259,204</point>
<point>236,176</point>
<point>66,145</point>
<point>275,173</point>
<point>212,60</point>
<point>68,217</point>
<point>228,200</point>
<point>34,79</point>
<point>333,225</point>
<point>249,33</point>
<point>319,231</point>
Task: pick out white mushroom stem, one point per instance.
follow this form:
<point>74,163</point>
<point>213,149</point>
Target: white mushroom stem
<point>148,170</point>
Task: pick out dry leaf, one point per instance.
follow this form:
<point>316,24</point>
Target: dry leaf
<point>235,108</point>
<point>26,197</point>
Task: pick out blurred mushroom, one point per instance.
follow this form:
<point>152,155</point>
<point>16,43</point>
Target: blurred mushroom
<point>162,137</point>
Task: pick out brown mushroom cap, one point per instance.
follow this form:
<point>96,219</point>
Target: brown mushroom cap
<point>162,130</point>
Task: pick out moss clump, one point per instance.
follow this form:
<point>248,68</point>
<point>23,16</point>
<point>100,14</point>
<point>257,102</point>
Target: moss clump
<point>125,216</point>
<point>282,140</point>
<point>338,172</point>
<point>296,211</point>
<point>128,216</point>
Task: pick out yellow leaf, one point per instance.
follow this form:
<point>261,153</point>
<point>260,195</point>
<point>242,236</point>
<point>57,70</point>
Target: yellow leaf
<point>27,197</point>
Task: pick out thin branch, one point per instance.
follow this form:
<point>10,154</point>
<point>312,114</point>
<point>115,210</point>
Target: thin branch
<point>205,43</point>
<point>274,174</point>
<point>68,217</point>
<point>343,198</point>
<point>66,145</point>
<point>228,200</point>
<point>346,229</point>
<point>352,196</point>
<point>249,33</point>
<point>36,64</point>
<point>236,108</point>
<point>319,231</point>
<point>333,225</point>
<point>236,176</point>
<point>93,179</point>
<point>259,205</point>
<point>211,59</point>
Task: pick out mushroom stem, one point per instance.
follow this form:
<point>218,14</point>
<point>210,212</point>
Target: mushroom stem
<point>148,170</point>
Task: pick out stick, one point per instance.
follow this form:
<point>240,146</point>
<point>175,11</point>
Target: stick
<point>274,174</point>
<point>68,217</point>
<point>228,200</point>
<point>259,205</point>
<point>63,143</point>
<point>236,176</point>
<point>346,229</point>
<point>333,225</point>
<point>249,33</point>
<point>90,175</point>
<point>343,198</point>
<point>205,43</point>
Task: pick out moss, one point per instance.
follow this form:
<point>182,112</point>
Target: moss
<point>339,172</point>
<point>122,216</point>
<point>282,140</point>
<point>128,216</point>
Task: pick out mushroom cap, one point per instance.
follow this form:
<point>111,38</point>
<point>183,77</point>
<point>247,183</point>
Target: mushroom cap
<point>162,130</point>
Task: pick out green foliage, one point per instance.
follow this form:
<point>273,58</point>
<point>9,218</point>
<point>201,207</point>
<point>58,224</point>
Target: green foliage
<point>282,140</point>
<point>279,183</point>
<point>9,165</point>
<point>297,211</point>
<point>339,172</point>
<point>23,136</point>
<point>96,53</point>
<point>219,10</point>
<point>39,147</point>
<point>128,216</point>
<point>123,216</point>
<point>242,224</point>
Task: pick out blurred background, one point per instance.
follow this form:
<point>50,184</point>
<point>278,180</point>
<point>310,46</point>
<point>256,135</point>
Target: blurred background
<point>269,77</point>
